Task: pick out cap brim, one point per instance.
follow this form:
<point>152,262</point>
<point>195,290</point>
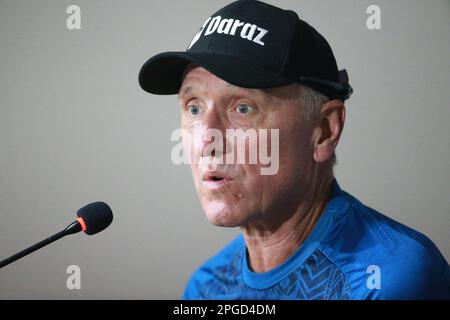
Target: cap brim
<point>162,74</point>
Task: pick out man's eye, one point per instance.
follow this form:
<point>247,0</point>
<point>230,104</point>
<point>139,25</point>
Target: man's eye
<point>194,110</point>
<point>244,108</point>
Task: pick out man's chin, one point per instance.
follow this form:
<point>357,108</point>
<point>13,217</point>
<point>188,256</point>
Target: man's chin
<point>223,216</point>
<point>224,224</point>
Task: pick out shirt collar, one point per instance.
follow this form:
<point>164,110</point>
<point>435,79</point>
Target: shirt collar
<point>336,204</point>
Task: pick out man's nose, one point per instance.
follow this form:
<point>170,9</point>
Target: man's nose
<point>210,140</point>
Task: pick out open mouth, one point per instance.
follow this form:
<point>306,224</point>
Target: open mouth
<point>216,179</point>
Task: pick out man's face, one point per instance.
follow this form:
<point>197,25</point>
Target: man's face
<point>236,194</point>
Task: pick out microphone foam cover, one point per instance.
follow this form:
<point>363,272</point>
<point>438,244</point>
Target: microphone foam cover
<point>97,216</point>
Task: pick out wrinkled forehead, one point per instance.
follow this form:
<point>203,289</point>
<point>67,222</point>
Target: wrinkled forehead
<point>196,77</point>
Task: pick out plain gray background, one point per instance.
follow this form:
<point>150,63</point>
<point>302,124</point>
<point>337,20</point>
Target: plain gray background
<point>75,127</point>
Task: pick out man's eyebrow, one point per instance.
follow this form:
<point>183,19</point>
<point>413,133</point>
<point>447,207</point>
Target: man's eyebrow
<point>184,91</point>
<point>260,92</point>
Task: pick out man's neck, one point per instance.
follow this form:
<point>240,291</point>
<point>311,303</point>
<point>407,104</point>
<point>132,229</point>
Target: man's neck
<point>268,245</point>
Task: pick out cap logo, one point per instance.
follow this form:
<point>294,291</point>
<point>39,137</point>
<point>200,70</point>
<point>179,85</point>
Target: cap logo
<point>231,27</point>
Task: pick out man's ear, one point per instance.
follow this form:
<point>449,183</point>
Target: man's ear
<point>328,129</point>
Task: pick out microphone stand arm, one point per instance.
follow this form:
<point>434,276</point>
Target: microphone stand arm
<point>72,228</point>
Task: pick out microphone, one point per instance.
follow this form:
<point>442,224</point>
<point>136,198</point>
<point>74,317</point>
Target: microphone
<point>92,218</point>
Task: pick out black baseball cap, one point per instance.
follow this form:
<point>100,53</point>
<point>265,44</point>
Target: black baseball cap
<point>252,44</point>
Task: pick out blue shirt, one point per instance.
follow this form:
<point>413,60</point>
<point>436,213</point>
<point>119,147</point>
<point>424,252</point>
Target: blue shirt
<point>354,252</point>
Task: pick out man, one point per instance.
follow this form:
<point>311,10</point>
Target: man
<point>255,66</point>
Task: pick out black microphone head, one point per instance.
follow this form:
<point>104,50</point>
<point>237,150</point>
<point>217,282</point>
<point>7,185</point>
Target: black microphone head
<point>95,217</point>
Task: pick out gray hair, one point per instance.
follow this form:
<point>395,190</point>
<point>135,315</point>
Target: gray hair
<point>312,103</point>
